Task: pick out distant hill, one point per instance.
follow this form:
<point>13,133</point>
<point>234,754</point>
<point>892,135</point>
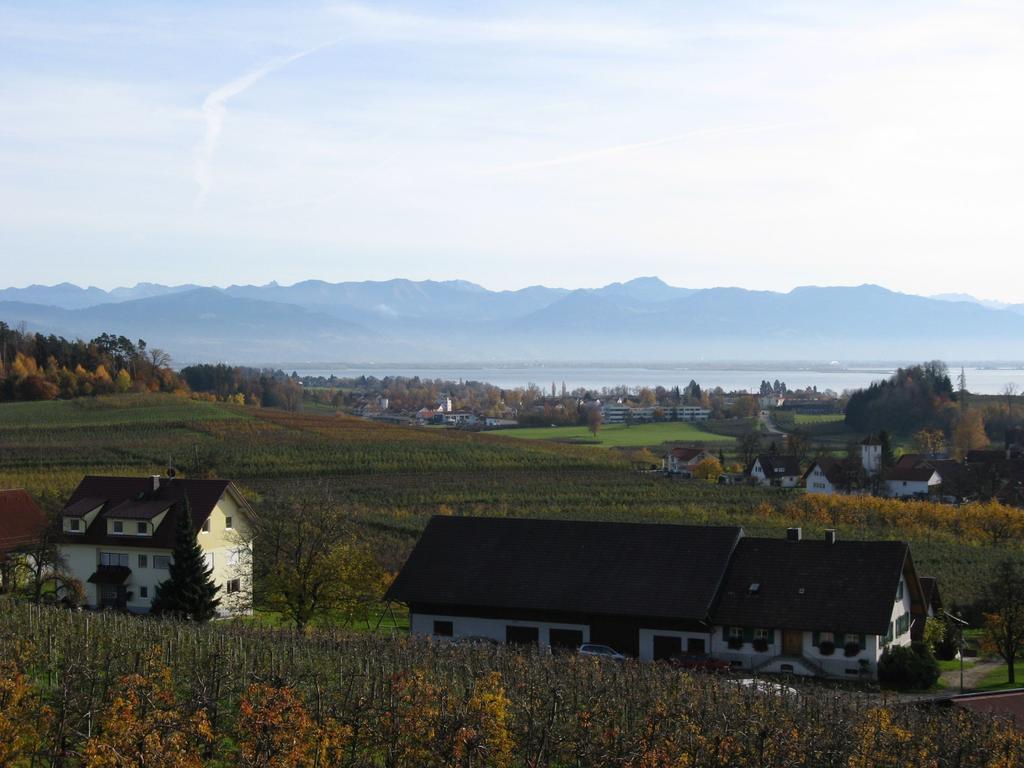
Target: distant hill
<point>422,321</point>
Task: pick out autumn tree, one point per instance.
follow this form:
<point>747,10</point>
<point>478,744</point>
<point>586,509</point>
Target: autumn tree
<point>594,420</point>
<point>144,724</point>
<point>1004,620</point>
<point>969,433</point>
<point>310,564</point>
<point>708,469</point>
<point>929,441</point>
<point>23,718</point>
<point>275,731</point>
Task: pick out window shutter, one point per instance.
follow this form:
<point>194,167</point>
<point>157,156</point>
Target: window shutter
<point>815,639</point>
<point>725,634</point>
<point>748,634</point>
<point>863,642</point>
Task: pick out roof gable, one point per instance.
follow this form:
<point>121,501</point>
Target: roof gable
<point>632,569</point>
<point>845,586</point>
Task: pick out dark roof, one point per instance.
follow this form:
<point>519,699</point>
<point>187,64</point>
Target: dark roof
<point>1006,704</point>
<point>910,459</point>
<point>846,586</point>
<point>910,474</point>
<point>835,470</point>
<point>203,496</point>
<point>635,569</point>
<point>778,466</point>
<point>82,507</point>
<point>132,509</point>
<point>21,519</point>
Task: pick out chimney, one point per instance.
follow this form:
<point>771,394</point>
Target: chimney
<point>156,482</point>
<point>830,535</point>
<point>793,534</point>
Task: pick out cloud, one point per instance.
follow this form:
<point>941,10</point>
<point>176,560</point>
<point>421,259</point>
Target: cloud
<point>215,110</point>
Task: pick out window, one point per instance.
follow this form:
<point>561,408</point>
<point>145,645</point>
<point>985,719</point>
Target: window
<point>208,559</point>
<point>143,592</point>
<point>118,526</point>
<point>234,586</point>
<point>735,633</point>
<point>74,525</point>
<point>228,523</point>
<point>142,528</point>
<point>444,628</point>
<point>162,561</point>
<point>143,561</point>
<point>761,634</point>
<point>852,639</point>
<point>233,557</point>
<point>113,558</point>
<point>206,525</point>
<point>826,637</point>
<point>889,633</point>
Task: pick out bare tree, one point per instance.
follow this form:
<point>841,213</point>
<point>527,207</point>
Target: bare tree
<point>158,358</point>
<point>1010,390</point>
<point>594,420</point>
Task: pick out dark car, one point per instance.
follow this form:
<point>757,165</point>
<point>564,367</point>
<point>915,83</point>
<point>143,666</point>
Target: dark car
<point>700,661</point>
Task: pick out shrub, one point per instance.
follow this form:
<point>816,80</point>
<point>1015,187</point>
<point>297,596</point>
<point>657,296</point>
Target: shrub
<point>851,649</point>
<point>826,648</point>
<point>908,667</point>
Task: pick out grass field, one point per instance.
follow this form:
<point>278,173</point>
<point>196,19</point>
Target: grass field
<point>996,679</point>
<point>622,436</point>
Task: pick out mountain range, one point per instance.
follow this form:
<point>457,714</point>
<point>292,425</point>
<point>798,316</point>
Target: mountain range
<point>404,321</point>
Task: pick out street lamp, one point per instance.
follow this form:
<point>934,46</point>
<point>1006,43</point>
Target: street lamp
<point>960,625</point>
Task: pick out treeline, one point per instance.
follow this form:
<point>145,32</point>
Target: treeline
<point>38,367</point>
<point>93,691</point>
<point>914,398</point>
<point>245,386</point>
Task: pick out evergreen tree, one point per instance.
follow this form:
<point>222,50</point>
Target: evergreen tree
<point>189,593</point>
<point>888,458</point>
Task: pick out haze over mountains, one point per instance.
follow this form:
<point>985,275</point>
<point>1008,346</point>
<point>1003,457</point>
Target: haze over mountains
<point>644,319</point>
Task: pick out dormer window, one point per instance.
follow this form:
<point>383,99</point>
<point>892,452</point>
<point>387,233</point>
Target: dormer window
<point>142,529</point>
<point>75,525</point>
<point>118,526</point>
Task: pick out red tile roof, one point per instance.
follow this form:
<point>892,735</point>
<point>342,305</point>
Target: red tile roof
<point>21,519</point>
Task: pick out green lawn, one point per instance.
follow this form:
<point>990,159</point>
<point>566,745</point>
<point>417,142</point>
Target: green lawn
<point>996,679</point>
<point>114,410</point>
<point>620,435</point>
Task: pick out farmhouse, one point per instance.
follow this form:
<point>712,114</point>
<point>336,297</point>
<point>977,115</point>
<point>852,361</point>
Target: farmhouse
<point>682,460</point>
<point>118,534</point>
<point>654,591</point>
<point>21,523</point>
<point>776,471</point>
<point>917,481</point>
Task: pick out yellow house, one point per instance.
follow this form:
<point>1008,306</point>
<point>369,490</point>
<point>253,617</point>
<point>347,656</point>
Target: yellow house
<point>118,538</point>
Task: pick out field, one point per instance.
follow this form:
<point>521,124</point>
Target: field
<point>622,436</point>
<point>803,419</point>
<point>393,478</point>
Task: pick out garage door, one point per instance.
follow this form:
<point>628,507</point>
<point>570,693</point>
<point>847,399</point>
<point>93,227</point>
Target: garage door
<point>666,647</point>
<point>566,639</point>
<point>521,635</point>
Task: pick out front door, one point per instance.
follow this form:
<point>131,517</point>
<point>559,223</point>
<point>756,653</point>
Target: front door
<point>792,642</point>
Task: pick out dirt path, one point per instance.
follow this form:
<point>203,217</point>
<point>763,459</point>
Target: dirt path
<point>972,675</point>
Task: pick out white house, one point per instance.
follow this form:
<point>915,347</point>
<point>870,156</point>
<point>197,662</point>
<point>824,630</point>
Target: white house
<point>119,533</point>
<point>826,607</point>
<point>776,471</point>
<point>911,481</point>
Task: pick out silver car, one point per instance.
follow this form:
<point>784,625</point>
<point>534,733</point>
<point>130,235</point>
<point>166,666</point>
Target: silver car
<point>604,651</point>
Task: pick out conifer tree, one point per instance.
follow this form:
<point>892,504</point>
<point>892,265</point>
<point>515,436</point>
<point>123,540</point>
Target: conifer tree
<point>189,593</point>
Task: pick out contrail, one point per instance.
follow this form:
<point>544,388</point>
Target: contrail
<point>215,109</point>
<point>593,154</point>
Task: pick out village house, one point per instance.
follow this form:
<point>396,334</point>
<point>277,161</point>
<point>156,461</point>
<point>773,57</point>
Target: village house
<point>118,534</point>
<point>776,471</point>
<point>21,524</point>
<point>683,460</point>
<point>655,591</point>
<point>913,481</point>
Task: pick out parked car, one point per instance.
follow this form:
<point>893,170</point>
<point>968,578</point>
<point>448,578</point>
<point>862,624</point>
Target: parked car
<point>766,686</point>
<point>605,651</point>
<point>475,640</point>
<point>699,661</point>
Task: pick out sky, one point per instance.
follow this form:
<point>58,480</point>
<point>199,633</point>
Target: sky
<point>759,144</point>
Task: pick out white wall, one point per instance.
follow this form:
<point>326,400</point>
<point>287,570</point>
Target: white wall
<point>817,482</point>
<point>472,626</point>
<point>836,665</point>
